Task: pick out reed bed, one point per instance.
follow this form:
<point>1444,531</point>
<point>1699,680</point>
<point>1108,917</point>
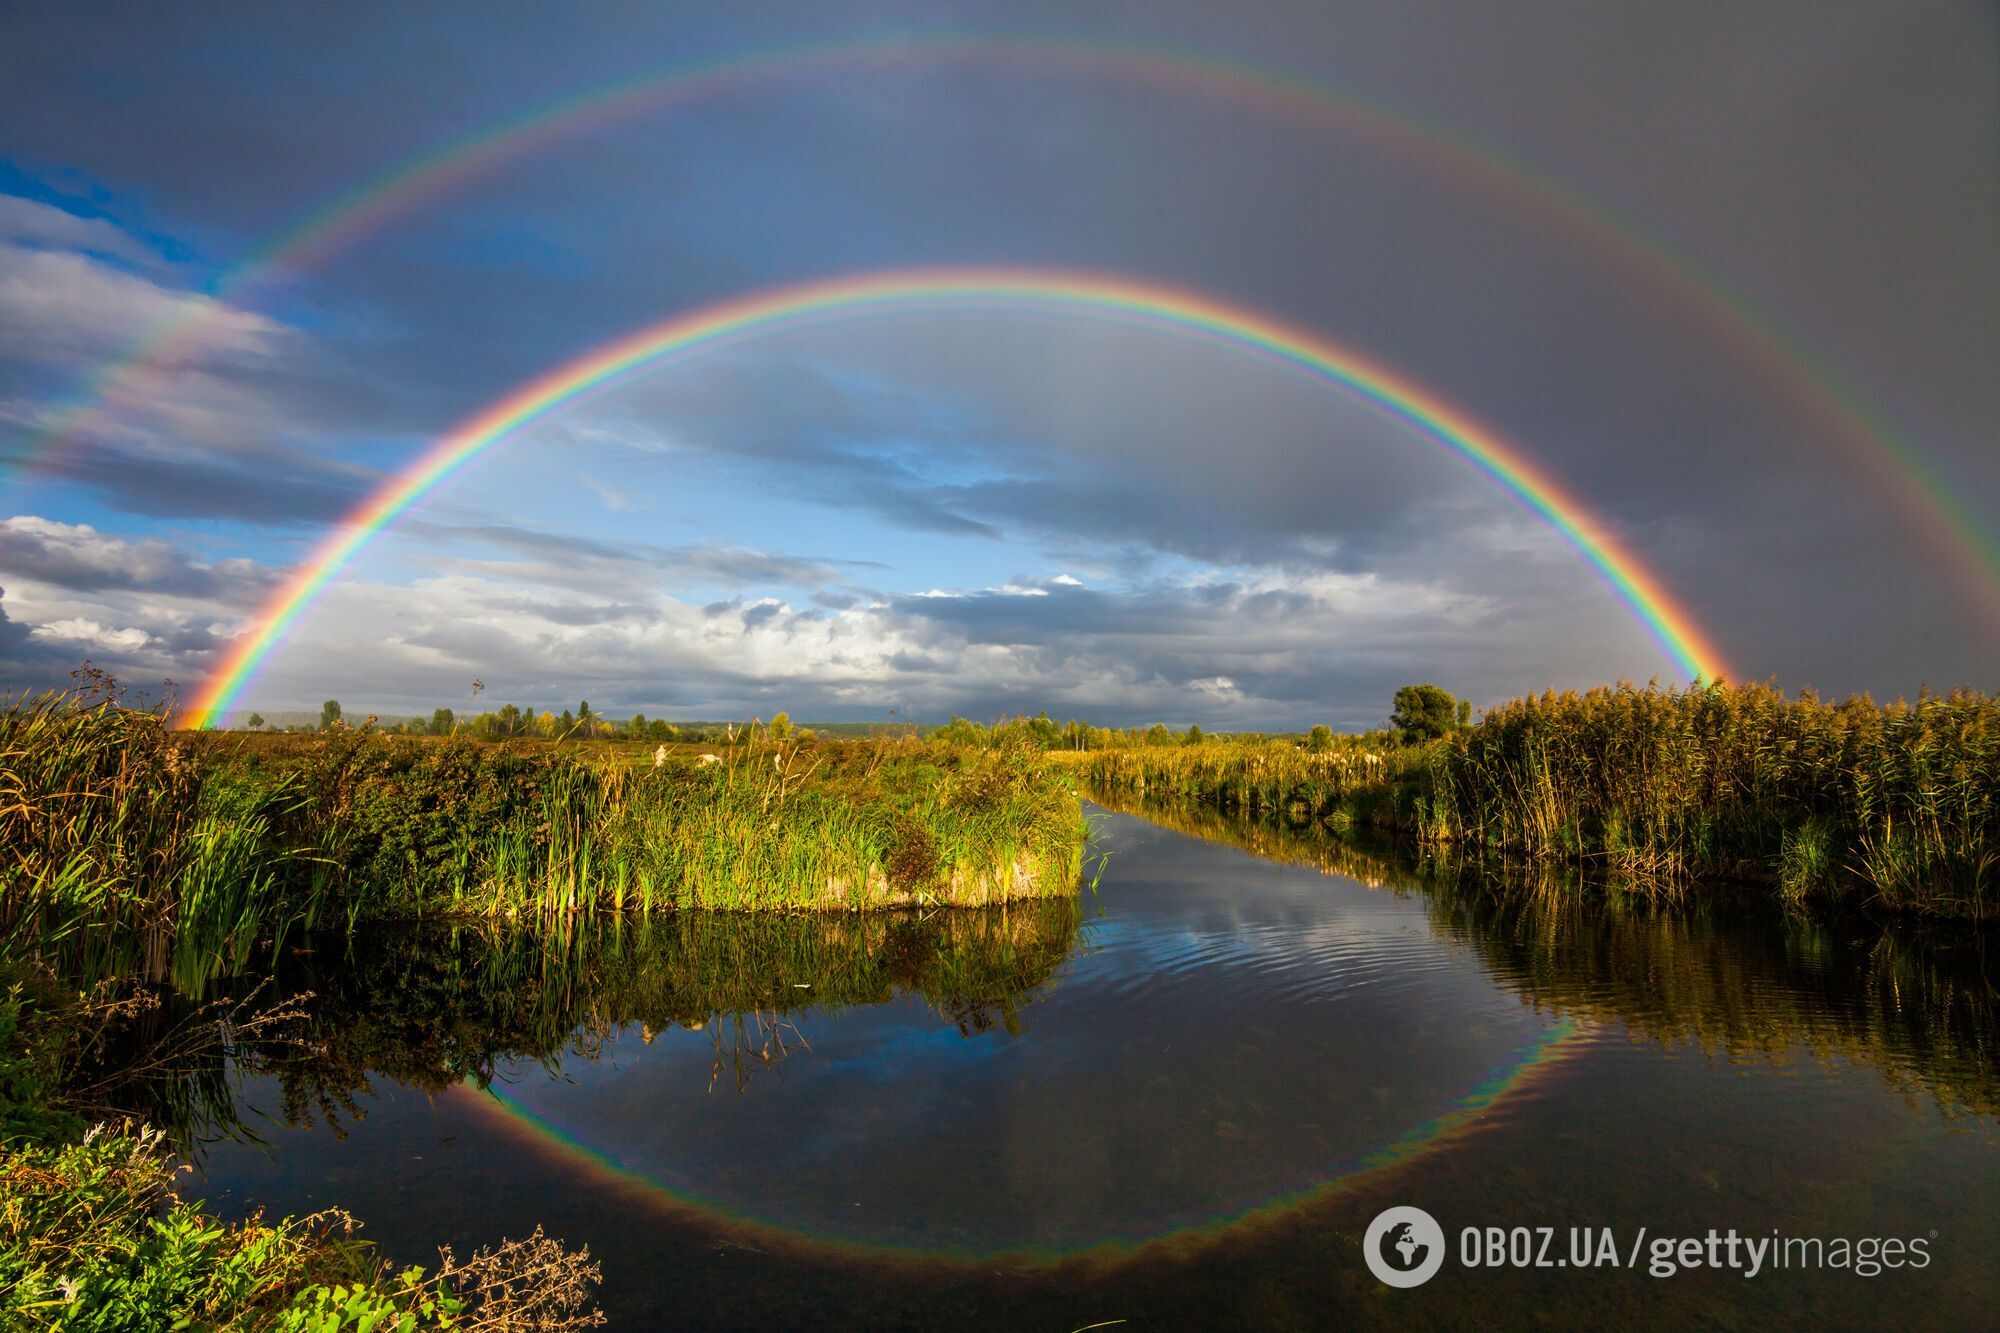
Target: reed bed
<point>1900,801</point>
<point>134,850</point>
<point>1730,972</point>
<point>1359,781</point>
<point>1897,805</point>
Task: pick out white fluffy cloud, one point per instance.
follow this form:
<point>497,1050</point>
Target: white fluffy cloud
<point>90,636</point>
<point>33,222</point>
<point>77,557</point>
<point>1223,647</point>
<point>57,304</point>
<point>78,298</point>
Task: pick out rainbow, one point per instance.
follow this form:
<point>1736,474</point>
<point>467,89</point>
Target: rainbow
<point>1524,1068</point>
<point>1927,499</point>
<point>1147,304</point>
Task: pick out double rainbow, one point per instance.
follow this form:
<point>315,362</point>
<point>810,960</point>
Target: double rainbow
<point>1963,538</point>
<point>957,289</point>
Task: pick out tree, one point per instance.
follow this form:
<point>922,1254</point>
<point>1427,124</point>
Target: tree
<point>1320,739</point>
<point>1193,736</point>
<point>329,715</point>
<point>256,722</point>
<point>442,721</point>
<point>1157,734</point>
<point>1425,712</point>
<point>960,731</point>
<point>781,726</point>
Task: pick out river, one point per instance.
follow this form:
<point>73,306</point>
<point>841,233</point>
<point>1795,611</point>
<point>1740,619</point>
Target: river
<point>1178,1103</point>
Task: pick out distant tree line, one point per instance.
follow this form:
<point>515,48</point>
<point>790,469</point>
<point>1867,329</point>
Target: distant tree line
<point>512,722</point>
<point>1420,713</point>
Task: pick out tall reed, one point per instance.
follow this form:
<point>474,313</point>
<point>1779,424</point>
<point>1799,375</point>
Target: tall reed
<point>117,848</point>
<point>1358,781</point>
<point>1897,804</point>
<point>1900,799</point>
<point>134,850</point>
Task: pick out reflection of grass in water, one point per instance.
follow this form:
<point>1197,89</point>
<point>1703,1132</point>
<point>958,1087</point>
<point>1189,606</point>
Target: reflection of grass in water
<point>1914,1004</point>
<point>431,1008</point>
<point>1920,1012</point>
<point>1271,837</point>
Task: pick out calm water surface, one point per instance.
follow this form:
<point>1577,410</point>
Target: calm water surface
<point>1178,1103</point>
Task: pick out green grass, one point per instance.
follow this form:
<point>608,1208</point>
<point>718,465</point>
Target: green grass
<point>159,864</point>
<point>133,850</point>
<point>94,1235</point>
<point>1898,803</point>
<point>1894,805</point>
<point>1369,782</point>
<point>420,827</point>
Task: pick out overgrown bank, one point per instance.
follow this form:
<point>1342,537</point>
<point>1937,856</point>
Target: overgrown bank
<point>96,1234</point>
<point>182,854</point>
<point>1730,971</point>
<point>137,862</point>
<point>1895,804</point>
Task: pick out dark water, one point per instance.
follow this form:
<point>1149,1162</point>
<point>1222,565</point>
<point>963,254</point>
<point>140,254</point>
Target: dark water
<point>1177,1103</point>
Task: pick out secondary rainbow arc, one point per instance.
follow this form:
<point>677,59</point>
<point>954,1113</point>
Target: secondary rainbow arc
<point>1908,477</point>
<point>1685,644</point>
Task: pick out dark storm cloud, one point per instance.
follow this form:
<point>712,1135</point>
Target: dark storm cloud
<point>1148,450</point>
<point>276,490</point>
<point>1834,163</point>
<point>646,562</point>
<point>13,636</point>
<point>1032,614</point>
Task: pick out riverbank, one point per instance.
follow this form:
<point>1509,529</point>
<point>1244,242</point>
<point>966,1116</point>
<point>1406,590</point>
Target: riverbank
<point>137,851</point>
<point>96,1232</point>
<point>146,869</point>
<point>1731,972</point>
<point>1895,805</point>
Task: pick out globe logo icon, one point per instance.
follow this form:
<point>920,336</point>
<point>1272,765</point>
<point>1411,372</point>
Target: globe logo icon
<point>1404,1246</point>
<point>1404,1240</point>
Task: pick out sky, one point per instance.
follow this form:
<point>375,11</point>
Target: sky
<point>1669,253</point>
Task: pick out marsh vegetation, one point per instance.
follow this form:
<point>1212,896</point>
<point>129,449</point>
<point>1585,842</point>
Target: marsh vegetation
<point>148,873</point>
<point>1896,805</point>
<point>329,910</point>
